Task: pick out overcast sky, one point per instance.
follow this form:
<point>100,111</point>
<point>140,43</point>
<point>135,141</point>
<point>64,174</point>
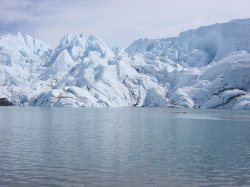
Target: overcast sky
<point>117,22</point>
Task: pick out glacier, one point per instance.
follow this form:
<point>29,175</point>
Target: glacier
<point>204,68</point>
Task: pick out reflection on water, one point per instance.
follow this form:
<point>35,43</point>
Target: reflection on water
<point>124,147</point>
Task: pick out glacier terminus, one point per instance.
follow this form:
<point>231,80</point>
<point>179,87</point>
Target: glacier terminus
<point>204,68</point>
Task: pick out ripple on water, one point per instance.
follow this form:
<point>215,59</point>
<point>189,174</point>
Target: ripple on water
<point>124,147</point>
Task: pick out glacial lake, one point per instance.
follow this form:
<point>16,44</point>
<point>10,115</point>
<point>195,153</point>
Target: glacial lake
<point>124,147</point>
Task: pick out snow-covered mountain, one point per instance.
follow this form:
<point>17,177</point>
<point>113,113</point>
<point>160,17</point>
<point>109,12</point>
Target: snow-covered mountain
<point>208,67</point>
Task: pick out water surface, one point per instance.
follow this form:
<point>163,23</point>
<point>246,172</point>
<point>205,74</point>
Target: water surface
<point>124,147</point>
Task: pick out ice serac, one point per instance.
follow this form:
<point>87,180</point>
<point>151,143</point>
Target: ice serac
<point>197,47</point>
<point>21,61</point>
<point>204,68</point>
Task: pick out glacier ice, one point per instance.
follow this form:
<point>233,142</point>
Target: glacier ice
<point>208,67</point>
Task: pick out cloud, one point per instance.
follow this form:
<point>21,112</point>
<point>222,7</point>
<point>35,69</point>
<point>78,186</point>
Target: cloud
<point>117,22</point>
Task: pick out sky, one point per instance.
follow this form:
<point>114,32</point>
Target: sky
<point>117,22</point>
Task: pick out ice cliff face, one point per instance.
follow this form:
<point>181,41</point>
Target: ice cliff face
<point>208,67</point>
